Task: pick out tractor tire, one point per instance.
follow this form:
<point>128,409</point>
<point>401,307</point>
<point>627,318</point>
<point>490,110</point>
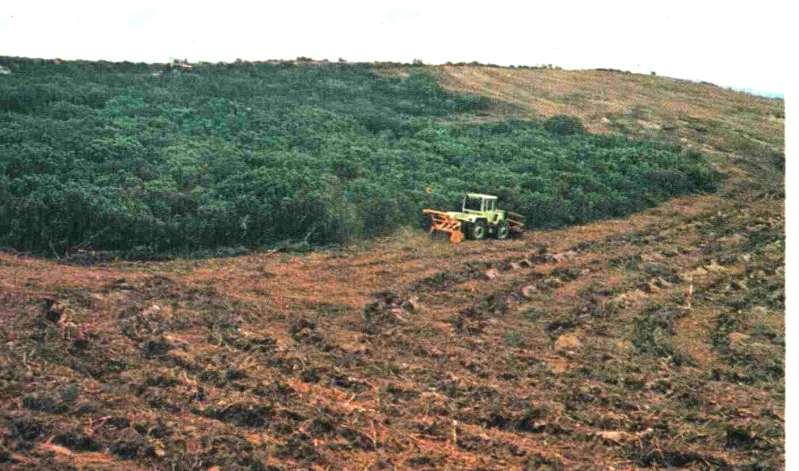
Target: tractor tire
<point>478,230</point>
<point>502,230</point>
<point>466,228</point>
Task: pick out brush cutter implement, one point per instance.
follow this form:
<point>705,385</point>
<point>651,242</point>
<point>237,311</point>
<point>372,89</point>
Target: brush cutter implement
<point>443,222</point>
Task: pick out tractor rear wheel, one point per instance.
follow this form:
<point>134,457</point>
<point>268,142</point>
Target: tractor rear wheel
<point>477,230</point>
<point>502,230</point>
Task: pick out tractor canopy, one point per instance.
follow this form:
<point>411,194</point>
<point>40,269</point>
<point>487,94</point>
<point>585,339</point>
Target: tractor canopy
<point>478,203</point>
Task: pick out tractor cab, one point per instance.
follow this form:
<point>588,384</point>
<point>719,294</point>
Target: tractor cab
<point>483,205</point>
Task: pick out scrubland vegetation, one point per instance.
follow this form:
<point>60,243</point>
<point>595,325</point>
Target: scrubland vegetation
<point>150,159</point>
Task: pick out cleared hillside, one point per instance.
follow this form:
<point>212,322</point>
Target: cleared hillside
<point>651,341</point>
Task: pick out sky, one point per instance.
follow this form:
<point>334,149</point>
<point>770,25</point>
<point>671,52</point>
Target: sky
<point>734,44</point>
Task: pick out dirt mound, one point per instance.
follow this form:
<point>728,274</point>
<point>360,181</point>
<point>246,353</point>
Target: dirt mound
<point>387,310</point>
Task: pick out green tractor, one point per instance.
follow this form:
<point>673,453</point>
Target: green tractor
<point>478,218</point>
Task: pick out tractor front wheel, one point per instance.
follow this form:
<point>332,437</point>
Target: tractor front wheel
<point>478,230</point>
<point>502,230</point>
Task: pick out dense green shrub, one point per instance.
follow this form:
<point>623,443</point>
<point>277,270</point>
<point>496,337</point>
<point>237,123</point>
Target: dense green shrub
<point>564,125</point>
<point>145,158</point>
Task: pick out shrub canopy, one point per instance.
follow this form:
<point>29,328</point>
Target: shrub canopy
<point>120,156</point>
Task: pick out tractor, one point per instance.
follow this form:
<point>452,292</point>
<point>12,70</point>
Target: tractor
<point>478,218</point>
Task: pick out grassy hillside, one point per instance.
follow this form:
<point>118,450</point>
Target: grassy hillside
<point>650,341</point>
<point>136,158</point>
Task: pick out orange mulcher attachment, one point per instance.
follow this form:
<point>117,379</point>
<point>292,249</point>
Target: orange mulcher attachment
<point>443,222</point>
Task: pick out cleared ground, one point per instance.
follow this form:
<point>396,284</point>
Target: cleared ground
<point>653,341</point>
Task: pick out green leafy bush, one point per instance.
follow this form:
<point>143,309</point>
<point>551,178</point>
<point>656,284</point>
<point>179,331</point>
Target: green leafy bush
<point>148,159</point>
<point>564,125</point>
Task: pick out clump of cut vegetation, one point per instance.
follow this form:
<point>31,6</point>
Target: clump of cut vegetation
<point>150,159</point>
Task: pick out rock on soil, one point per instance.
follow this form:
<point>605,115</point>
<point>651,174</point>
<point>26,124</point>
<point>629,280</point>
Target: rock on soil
<point>563,256</point>
<point>54,310</point>
<point>412,304</point>
<point>737,338</point>
<point>618,436</point>
<point>528,291</point>
<point>567,342</point>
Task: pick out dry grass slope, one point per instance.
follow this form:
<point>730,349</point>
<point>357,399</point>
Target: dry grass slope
<point>653,341</point>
